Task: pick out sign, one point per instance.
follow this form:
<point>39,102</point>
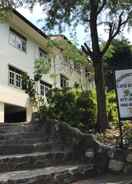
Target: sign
<point>124,93</point>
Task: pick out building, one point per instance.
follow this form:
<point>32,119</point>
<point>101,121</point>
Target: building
<point>21,44</point>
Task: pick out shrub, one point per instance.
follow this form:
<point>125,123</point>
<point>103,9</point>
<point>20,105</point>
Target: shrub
<point>75,107</point>
<point>127,133</point>
<point>112,107</point>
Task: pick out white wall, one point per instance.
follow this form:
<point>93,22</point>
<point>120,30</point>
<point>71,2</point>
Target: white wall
<point>1,112</point>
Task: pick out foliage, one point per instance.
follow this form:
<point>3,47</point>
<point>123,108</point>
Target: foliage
<point>72,106</point>
<point>70,52</point>
<point>3,15</point>
<point>76,12</point>
<point>29,86</point>
<point>127,133</point>
<point>112,107</point>
<point>119,56</point>
<point>41,66</point>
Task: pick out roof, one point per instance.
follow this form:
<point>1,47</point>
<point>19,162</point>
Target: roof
<point>41,32</point>
<point>30,24</point>
<point>60,36</point>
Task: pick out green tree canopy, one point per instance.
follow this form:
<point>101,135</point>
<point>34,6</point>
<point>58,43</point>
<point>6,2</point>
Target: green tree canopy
<point>119,56</point>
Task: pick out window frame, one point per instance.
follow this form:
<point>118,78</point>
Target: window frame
<point>64,81</point>
<point>77,68</point>
<point>46,86</point>
<point>17,36</point>
<point>17,73</point>
<point>44,53</point>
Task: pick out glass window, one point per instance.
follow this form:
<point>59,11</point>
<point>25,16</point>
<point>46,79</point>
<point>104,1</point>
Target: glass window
<point>15,77</point>
<point>11,77</point>
<point>42,92</point>
<point>44,88</point>
<point>16,40</point>
<point>42,53</point>
<point>18,80</point>
<point>77,67</point>
<point>12,38</point>
<point>87,73</point>
<point>64,82</point>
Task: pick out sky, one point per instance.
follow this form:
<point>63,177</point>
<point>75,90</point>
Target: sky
<point>37,14</point>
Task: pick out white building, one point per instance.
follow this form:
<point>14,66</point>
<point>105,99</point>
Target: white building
<point>21,43</point>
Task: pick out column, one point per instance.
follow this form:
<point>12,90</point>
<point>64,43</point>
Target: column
<point>1,112</point>
<point>29,113</point>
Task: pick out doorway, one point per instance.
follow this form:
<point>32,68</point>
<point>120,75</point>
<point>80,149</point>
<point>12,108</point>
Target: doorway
<point>14,114</point>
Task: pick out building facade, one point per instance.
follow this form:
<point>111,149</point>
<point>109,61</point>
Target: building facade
<point>21,44</point>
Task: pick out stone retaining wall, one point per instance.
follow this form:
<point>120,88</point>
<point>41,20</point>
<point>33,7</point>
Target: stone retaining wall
<point>120,160</point>
<point>86,148</point>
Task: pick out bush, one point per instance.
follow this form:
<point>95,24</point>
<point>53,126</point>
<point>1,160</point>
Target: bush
<point>112,107</point>
<point>127,133</point>
<point>75,107</point>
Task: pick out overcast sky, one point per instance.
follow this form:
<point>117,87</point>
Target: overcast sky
<point>37,14</point>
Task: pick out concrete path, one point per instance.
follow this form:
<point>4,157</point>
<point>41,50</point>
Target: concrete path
<point>108,179</point>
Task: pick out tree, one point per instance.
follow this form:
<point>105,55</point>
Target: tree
<point>113,14</point>
<point>119,56</point>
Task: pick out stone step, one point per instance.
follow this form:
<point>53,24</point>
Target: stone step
<point>15,124</point>
<point>7,149</point>
<point>16,135</point>
<point>122,178</point>
<point>16,127</point>
<point>49,175</point>
<point>21,140</point>
<point>34,160</point>
<point>13,130</point>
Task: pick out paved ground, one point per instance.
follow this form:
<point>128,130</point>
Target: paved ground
<point>108,179</point>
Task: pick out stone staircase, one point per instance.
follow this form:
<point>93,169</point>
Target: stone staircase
<point>41,153</point>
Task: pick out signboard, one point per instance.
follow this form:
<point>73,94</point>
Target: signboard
<point>124,93</point>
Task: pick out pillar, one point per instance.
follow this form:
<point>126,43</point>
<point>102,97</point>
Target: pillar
<point>1,112</point>
<point>29,113</point>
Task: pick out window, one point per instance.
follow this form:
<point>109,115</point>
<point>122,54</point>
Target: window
<point>42,53</point>
<point>87,73</point>
<point>15,77</point>
<point>77,67</point>
<point>17,40</point>
<point>63,81</point>
<point>44,88</point>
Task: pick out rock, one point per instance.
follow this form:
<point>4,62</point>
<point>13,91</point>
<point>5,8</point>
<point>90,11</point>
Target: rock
<point>128,168</point>
<point>129,158</point>
<point>89,153</point>
<point>101,161</point>
<point>111,153</point>
<point>116,165</point>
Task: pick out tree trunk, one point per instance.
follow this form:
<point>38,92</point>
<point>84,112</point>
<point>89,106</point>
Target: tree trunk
<point>101,121</point>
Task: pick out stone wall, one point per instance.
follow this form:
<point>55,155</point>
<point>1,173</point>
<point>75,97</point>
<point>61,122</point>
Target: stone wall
<point>120,160</point>
<point>85,147</point>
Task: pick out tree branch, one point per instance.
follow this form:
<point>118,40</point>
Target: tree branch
<point>87,50</point>
<point>114,31</point>
<point>111,30</point>
<point>101,7</point>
